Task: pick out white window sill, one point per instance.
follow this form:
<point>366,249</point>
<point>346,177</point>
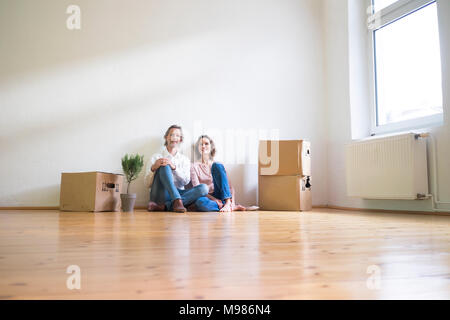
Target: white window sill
<point>417,125</point>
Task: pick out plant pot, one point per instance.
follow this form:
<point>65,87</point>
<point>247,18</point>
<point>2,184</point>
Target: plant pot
<point>128,200</point>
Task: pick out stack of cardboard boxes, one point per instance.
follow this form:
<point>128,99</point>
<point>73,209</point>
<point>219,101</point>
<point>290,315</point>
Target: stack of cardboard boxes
<point>284,175</point>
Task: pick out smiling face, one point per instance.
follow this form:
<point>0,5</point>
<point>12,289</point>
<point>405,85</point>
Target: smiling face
<point>204,147</point>
<point>174,138</point>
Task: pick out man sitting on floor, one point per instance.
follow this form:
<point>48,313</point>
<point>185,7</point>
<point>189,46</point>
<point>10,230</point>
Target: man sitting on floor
<point>167,173</point>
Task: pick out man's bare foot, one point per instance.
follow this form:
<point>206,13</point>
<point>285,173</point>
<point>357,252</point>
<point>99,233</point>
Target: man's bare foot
<point>238,207</point>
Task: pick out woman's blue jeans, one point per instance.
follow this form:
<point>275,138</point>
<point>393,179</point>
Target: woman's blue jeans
<point>221,190</point>
<point>164,191</point>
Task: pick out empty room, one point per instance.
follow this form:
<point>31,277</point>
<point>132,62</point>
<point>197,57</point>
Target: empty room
<point>225,150</point>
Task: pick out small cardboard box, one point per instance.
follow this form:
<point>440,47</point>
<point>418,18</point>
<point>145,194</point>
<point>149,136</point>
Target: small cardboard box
<point>284,158</point>
<point>90,191</point>
<point>284,193</point>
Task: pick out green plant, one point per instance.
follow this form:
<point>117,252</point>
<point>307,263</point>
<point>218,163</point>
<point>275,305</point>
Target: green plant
<point>132,165</point>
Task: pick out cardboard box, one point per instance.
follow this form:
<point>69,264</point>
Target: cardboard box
<point>90,191</point>
<point>284,158</point>
<point>284,193</point>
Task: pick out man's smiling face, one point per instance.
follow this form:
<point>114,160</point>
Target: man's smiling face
<point>174,138</point>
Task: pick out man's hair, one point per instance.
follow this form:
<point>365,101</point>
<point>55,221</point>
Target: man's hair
<point>211,142</point>
<point>174,126</point>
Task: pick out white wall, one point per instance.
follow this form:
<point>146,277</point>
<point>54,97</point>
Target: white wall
<point>343,49</point>
<point>79,100</point>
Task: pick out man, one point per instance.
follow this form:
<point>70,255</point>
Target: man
<point>167,173</point>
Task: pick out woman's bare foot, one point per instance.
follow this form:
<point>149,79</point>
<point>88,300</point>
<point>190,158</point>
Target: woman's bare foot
<point>227,207</point>
<point>238,207</point>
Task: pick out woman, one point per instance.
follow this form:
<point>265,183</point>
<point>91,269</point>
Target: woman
<point>205,171</point>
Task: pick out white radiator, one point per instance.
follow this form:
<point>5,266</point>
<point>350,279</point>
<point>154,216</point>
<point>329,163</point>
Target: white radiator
<point>387,168</point>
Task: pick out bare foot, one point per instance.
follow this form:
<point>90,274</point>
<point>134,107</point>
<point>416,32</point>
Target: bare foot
<point>238,207</point>
<point>226,207</point>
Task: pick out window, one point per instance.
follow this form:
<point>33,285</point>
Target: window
<point>381,4</point>
<point>407,79</point>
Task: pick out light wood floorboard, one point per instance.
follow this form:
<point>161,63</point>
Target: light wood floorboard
<point>324,254</point>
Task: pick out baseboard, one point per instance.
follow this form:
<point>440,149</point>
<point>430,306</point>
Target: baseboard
<point>29,208</point>
<point>440,213</point>
<point>315,207</point>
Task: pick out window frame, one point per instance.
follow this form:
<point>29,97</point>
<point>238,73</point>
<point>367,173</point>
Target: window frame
<point>375,21</point>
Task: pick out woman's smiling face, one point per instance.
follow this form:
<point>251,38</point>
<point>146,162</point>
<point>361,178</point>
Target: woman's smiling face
<point>204,146</point>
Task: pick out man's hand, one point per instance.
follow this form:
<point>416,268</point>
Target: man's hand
<point>169,163</point>
<point>160,163</point>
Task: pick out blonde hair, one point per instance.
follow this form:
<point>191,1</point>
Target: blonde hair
<point>211,142</point>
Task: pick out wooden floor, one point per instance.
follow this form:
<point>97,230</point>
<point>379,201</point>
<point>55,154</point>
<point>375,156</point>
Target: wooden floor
<point>324,254</point>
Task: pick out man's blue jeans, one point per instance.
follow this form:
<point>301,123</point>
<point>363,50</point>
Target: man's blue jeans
<point>221,190</point>
<point>164,190</point>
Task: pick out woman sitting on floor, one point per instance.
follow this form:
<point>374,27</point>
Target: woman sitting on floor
<point>213,174</point>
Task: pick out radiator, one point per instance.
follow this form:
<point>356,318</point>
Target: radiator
<point>387,168</point>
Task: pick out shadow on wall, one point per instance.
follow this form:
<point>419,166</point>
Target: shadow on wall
<point>48,195</point>
<point>105,29</point>
<point>107,112</point>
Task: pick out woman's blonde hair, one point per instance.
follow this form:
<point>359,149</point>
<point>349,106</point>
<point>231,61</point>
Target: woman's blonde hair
<point>211,142</point>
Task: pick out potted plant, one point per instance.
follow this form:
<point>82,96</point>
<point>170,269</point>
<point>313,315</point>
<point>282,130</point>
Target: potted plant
<point>131,166</point>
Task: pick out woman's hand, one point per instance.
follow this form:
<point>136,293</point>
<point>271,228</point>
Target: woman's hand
<point>219,202</point>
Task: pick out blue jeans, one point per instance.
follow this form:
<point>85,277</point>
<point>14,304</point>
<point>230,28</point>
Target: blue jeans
<point>221,190</point>
<point>164,190</point>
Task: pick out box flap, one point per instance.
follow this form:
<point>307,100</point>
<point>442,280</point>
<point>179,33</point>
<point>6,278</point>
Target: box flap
<point>86,172</point>
<point>284,158</point>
